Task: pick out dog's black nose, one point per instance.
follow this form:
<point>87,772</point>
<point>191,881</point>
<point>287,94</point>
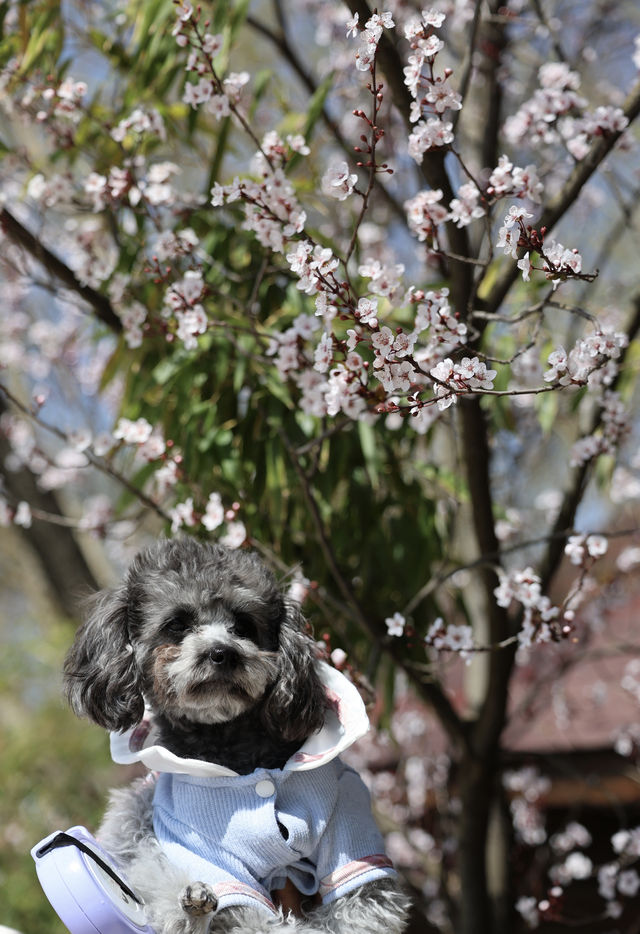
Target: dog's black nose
<point>223,655</point>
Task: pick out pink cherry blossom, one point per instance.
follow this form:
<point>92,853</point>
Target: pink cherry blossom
<point>213,515</point>
<point>424,213</point>
<point>338,182</point>
<point>366,311</point>
<point>352,26</point>
<point>235,536</point>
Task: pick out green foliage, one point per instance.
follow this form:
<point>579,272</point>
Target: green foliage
<point>45,37</point>
<point>54,770</point>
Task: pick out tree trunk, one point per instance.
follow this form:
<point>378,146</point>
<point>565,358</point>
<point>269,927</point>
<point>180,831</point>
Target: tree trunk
<point>484,847</point>
<point>476,785</point>
<point>66,571</point>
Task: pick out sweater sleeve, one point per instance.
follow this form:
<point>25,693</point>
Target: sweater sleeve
<point>351,849</point>
<point>188,831</point>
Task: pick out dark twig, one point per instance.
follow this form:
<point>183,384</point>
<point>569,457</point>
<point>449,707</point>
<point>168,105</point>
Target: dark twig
<point>98,462</point>
<point>99,303</point>
<point>281,42</point>
<point>468,65</point>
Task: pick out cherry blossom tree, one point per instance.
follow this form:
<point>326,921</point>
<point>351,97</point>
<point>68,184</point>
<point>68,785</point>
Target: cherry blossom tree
<point>356,288</point>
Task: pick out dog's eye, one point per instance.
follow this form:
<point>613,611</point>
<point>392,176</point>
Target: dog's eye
<point>244,626</point>
<point>179,621</point>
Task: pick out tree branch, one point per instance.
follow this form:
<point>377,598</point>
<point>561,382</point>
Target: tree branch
<point>468,63</point>
<point>573,496</point>
<point>474,433</point>
<point>25,239</point>
<point>98,462</point>
<point>432,167</point>
<point>69,576</point>
<point>281,42</point>
<point>477,458</point>
<point>493,43</point>
<point>559,205</point>
<point>492,716</point>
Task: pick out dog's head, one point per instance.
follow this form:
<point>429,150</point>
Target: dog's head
<point>203,634</point>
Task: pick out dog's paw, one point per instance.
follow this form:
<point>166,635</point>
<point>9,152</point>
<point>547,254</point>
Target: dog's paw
<point>198,899</point>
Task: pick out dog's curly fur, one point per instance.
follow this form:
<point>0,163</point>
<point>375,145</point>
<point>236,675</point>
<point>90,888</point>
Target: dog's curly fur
<point>204,636</point>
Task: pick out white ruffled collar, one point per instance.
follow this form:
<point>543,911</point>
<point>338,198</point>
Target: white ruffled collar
<point>346,721</point>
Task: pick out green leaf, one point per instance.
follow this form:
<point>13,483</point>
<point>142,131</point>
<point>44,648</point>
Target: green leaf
<point>314,112</point>
<point>43,37</point>
<point>547,409</point>
<point>367,438</point>
<point>238,17</point>
<point>115,364</point>
<point>222,140</point>
<point>166,370</point>
<point>148,20</point>
<point>316,104</point>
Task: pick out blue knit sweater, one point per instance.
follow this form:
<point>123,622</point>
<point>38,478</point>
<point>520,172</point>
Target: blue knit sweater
<point>245,835</point>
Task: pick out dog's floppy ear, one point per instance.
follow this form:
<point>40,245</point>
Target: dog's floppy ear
<point>296,705</point>
<point>100,674</point>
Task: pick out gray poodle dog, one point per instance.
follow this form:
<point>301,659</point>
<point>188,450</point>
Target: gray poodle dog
<point>205,672</point>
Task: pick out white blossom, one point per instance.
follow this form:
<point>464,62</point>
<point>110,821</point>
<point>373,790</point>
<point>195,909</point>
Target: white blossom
<point>235,536</point>
<point>352,26</point>
<point>366,311</point>
<point>182,514</point>
<point>323,354</point>
<point>234,83</point>
<point>395,624</point>
<point>23,515</point>
<point>424,213</point>
<point>214,512</point>
<point>628,883</point>
<point>133,432</point>
<point>525,265</point>
<point>527,908</point>
<point>338,182</point>
<point>451,638</point>
<point>578,866</point>
<point>429,134</point>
